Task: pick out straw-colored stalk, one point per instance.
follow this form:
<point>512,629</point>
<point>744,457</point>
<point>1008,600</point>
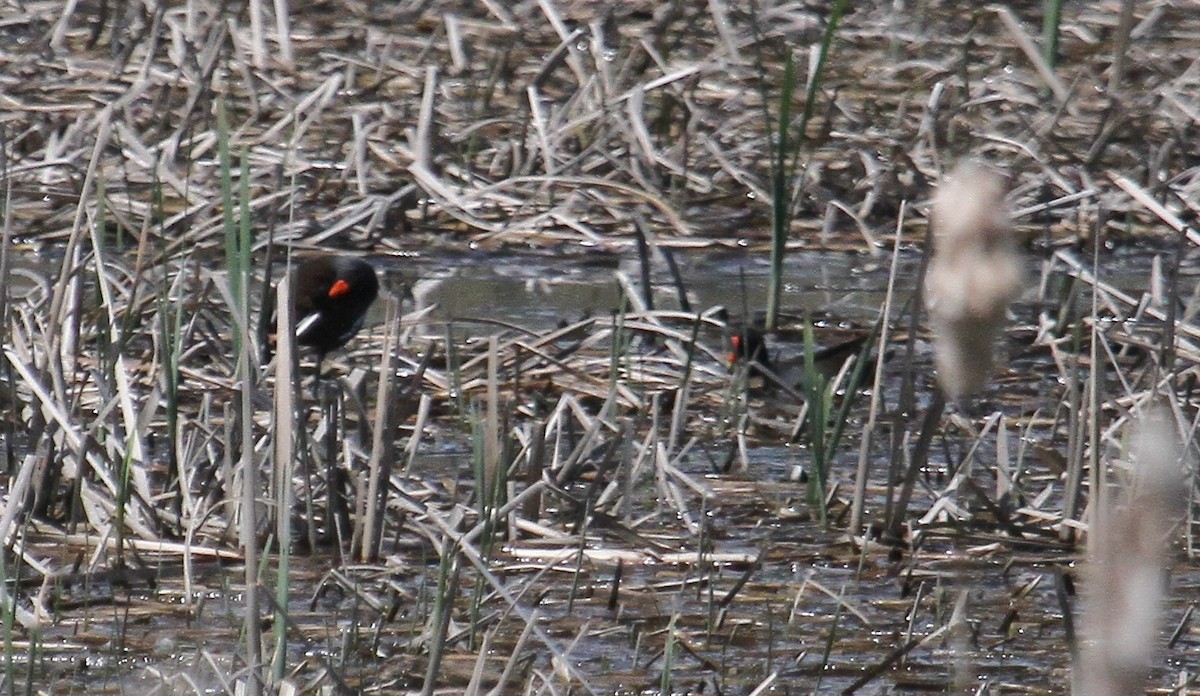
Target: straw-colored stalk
<point>1127,555</point>
<point>369,530</point>
<point>286,423</point>
<point>974,274</point>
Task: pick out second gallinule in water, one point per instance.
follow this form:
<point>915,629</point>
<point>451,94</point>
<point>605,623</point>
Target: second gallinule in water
<point>331,295</point>
<point>750,345</point>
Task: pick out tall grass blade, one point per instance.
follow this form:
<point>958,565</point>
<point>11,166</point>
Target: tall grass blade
<point>667,680</point>
<point>785,159</point>
<point>237,259</point>
<point>439,621</point>
<point>1051,19</point>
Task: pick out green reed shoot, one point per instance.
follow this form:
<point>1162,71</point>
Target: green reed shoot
<point>237,226</point>
<point>237,259</point>
<point>785,159</point>
<point>443,605</point>
<point>1051,19</point>
<point>665,682</point>
<point>826,426</point>
<point>862,364</point>
<point>170,312</point>
<point>619,344</point>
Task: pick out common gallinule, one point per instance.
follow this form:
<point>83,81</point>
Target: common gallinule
<point>750,345</point>
<point>331,295</point>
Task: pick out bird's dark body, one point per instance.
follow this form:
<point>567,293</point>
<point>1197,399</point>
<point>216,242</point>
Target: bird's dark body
<point>331,295</point>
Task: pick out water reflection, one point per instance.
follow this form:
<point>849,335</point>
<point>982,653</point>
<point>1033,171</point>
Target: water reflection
<point>540,292</point>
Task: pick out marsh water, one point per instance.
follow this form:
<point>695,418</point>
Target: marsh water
<point>538,292</point>
<point>819,609</point>
<point>499,162</point>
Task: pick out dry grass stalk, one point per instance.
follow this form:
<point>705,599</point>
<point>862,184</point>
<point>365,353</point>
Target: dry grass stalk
<point>369,527</point>
<point>286,426</point>
<point>974,274</point>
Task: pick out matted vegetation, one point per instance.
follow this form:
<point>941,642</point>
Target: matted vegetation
<point>605,507</point>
